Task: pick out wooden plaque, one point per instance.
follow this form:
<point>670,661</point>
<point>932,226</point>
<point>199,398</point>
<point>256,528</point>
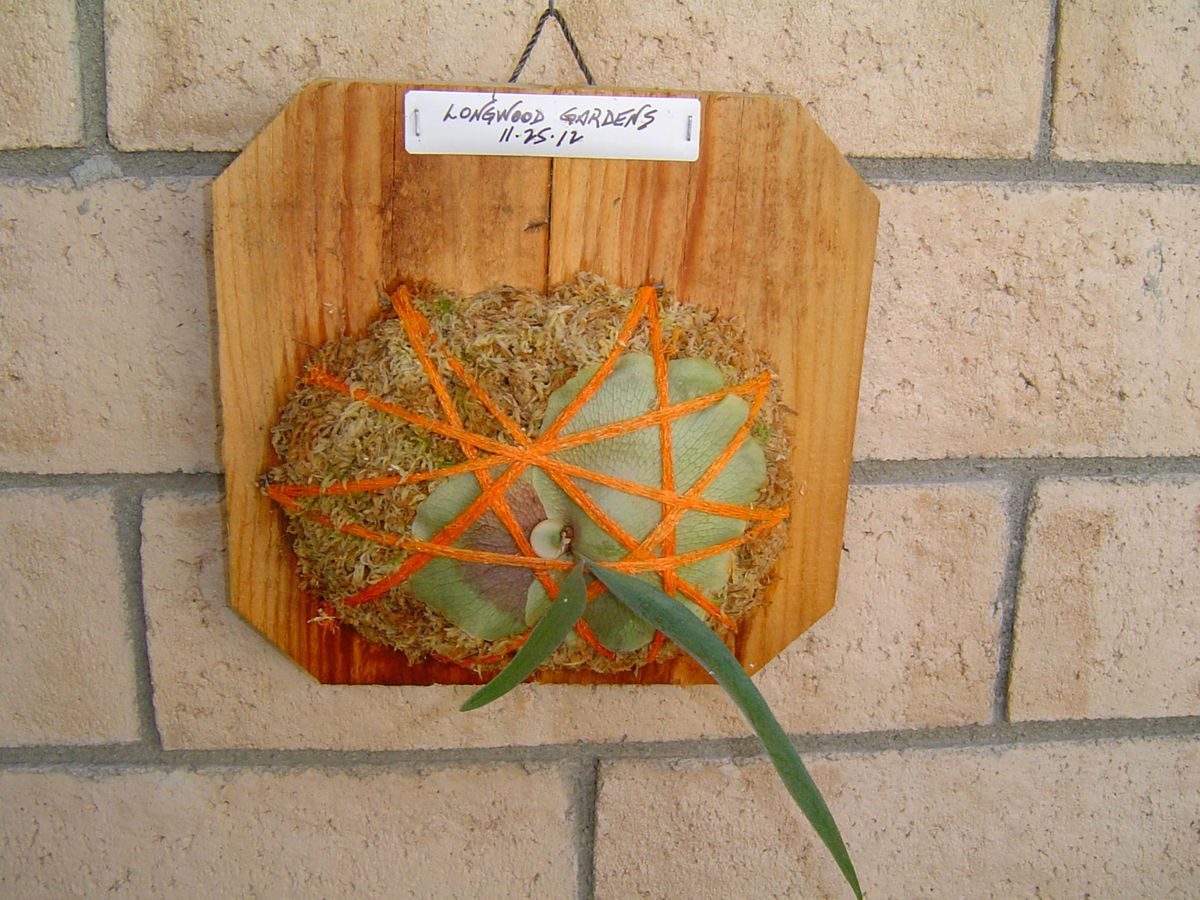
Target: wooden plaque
<point>325,205</point>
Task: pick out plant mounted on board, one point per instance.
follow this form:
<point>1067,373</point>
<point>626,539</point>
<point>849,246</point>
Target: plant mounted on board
<point>589,505</point>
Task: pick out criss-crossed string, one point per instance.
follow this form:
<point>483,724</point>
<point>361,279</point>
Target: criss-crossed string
<point>416,327</point>
<point>487,498</point>
<point>664,533</point>
<point>533,455</point>
<point>657,564</point>
<point>529,452</point>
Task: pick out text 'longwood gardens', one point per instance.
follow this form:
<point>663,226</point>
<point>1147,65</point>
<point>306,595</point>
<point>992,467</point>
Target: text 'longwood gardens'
<point>518,124</point>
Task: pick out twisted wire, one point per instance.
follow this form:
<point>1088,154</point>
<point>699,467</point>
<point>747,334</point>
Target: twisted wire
<point>551,12</point>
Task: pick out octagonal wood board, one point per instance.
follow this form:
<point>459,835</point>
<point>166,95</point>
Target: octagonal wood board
<point>325,206</point>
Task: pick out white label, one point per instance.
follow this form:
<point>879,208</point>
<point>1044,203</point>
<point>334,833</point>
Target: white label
<point>514,124</point>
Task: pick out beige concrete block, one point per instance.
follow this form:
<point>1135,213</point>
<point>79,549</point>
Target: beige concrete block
<point>210,74</point>
<point>908,645</point>
<point>66,656</point>
<point>498,832</point>
<point>907,79</point>
<point>40,103</point>
<point>1128,82</point>
<point>897,79</point>
<point>1108,613</point>
<point>1101,819</point>
<point>911,641</point>
<point>1033,321</point>
<point>106,363</point>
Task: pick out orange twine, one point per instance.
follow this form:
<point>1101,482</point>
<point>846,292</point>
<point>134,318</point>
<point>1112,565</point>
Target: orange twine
<point>530,452</point>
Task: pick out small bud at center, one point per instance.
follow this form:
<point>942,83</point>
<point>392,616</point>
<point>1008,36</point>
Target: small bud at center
<point>549,538</point>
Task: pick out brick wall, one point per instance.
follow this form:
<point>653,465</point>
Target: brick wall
<point>1006,700</point>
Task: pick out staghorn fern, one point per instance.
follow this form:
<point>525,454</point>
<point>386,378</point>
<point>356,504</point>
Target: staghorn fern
<point>493,602</point>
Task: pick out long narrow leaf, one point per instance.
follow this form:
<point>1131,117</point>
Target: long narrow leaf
<point>680,625</point>
<point>550,631</point>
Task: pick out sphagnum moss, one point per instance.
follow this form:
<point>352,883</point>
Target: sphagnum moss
<point>521,347</point>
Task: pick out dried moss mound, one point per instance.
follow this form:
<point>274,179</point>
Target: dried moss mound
<point>521,347</point>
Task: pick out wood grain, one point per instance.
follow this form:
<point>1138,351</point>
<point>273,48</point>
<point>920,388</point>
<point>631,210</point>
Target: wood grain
<point>325,206</point>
